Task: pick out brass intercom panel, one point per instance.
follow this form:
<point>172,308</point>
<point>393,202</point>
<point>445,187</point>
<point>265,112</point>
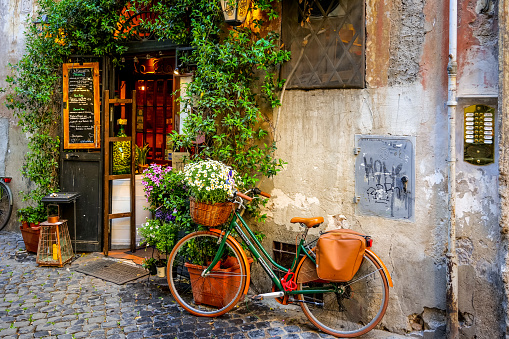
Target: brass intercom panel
<point>479,147</point>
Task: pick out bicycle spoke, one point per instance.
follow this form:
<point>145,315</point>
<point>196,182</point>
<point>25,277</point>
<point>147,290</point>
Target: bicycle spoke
<point>216,292</point>
<point>351,308</point>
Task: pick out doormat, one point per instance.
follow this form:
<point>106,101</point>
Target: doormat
<point>112,271</point>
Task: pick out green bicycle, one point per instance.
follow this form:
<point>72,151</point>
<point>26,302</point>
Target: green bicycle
<point>208,272</point>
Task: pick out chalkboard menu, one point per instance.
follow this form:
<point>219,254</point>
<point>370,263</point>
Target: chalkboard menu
<point>81,105</point>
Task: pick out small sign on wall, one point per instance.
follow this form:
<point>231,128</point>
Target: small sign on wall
<point>385,176</point>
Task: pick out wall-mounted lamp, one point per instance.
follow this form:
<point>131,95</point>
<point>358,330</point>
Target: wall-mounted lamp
<point>41,23</point>
<point>235,11</point>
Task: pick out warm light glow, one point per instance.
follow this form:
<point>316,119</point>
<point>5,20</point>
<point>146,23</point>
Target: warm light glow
<point>142,88</point>
<point>235,11</point>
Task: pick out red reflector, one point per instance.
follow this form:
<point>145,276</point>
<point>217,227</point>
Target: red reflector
<point>369,242</point>
<point>7,180</point>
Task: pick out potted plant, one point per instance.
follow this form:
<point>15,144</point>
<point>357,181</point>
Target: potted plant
<point>141,157</point>
<point>30,217</point>
<point>150,265</point>
<point>161,267</point>
<point>167,196</point>
<point>214,289</point>
<point>159,235</point>
<point>211,183</point>
<point>23,217</point>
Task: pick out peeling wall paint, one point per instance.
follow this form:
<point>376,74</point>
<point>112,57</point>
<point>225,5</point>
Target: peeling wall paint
<point>13,144</point>
<point>406,58</point>
<point>478,41</point>
<point>405,94</point>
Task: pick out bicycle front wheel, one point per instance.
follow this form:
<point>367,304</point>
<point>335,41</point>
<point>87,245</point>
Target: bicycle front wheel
<point>354,308</point>
<point>217,292</point>
<point>5,204</point>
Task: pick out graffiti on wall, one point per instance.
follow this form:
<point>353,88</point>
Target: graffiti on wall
<point>384,176</point>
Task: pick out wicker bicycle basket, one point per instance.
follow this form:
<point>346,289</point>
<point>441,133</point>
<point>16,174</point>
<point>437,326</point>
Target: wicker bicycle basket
<point>210,215</point>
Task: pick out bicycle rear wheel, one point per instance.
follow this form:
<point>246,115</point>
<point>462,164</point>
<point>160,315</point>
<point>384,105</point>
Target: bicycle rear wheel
<point>357,306</point>
<point>5,204</point>
<point>216,293</point>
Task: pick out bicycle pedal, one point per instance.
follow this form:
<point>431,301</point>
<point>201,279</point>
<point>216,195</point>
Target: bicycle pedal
<point>260,297</point>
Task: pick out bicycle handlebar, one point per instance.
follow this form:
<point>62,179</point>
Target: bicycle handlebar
<point>266,195</point>
<point>255,191</point>
<point>259,192</point>
<point>243,196</point>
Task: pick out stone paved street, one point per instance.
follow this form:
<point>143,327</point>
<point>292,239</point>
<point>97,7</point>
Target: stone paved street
<point>48,302</point>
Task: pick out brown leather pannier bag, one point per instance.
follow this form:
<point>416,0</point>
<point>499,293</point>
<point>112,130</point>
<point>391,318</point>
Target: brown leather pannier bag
<point>339,255</point>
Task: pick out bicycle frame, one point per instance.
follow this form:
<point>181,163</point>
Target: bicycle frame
<point>256,247</point>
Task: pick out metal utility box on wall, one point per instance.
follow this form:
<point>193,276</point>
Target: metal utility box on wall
<point>385,176</point>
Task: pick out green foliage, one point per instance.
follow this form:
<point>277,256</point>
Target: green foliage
<point>141,154</point>
<point>32,214</point>
<point>149,264</point>
<point>158,233</point>
<point>168,200</point>
<point>167,194</point>
<point>232,94</point>
<point>34,90</point>
<point>226,108</point>
<point>234,87</point>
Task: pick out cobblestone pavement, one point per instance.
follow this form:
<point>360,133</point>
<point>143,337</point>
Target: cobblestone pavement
<point>49,302</point>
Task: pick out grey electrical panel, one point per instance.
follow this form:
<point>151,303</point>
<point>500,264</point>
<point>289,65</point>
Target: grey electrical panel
<point>385,176</point>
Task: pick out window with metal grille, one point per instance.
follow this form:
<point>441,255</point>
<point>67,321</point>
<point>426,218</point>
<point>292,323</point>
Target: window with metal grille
<point>284,254</point>
<point>326,38</point>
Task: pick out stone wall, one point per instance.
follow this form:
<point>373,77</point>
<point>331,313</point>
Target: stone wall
<point>15,16</point>
<point>405,95</point>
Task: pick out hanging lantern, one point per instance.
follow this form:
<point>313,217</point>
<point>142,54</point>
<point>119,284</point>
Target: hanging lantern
<point>235,11</point>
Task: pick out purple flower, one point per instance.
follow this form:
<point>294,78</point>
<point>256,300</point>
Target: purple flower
<point>165,215</point>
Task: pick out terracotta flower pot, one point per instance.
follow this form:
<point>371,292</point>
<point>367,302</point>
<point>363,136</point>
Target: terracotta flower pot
<point>31,238</point>
<point>216,289</point>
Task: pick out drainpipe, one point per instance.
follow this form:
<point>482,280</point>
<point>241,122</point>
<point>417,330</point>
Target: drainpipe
<point>452,323</point>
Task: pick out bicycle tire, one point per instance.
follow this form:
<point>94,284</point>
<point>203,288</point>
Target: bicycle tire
<point>355,311</point>
<point>185,280</point>
<point>5,204</point>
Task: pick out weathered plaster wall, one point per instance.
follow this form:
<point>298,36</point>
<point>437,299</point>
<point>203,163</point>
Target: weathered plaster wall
<point>477,47</point>
<point>14,14</point>
<point>406,60</point>
<point>503,110</point>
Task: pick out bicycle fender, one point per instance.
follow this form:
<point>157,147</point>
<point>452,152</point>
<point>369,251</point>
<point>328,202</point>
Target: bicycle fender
<point>242,253</point>
<point>380,262</point>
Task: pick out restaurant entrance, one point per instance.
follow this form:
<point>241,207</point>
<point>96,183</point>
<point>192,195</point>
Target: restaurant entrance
<point>153,80</point>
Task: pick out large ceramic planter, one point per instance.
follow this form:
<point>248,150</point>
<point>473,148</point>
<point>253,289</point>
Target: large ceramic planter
<point>31,238</point>
<point>216,289</point>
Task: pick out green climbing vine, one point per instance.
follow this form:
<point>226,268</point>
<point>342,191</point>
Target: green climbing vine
<point>230,99</point>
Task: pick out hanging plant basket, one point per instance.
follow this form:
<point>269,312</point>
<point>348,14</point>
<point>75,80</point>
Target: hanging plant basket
<point>210,215</point>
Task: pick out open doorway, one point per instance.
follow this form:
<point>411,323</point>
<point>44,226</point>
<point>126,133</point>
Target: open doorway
<point>153,80</point>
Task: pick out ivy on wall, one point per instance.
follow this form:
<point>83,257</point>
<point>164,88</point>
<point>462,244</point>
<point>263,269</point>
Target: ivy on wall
<point>235,78</point>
